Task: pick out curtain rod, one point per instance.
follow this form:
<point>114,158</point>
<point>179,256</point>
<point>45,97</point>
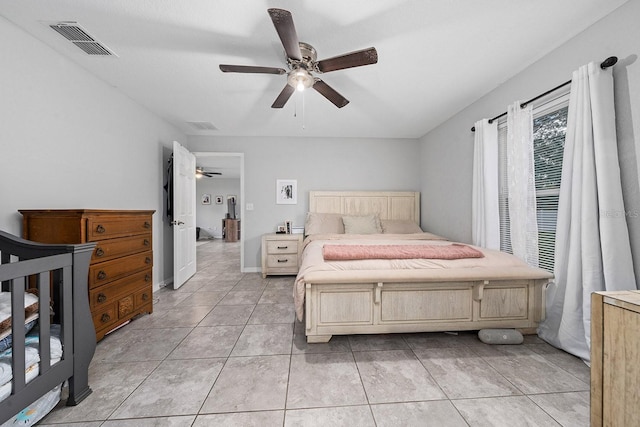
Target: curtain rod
<point>609,62</point>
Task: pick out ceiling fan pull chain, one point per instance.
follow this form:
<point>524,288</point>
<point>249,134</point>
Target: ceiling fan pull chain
<point>303,127</point>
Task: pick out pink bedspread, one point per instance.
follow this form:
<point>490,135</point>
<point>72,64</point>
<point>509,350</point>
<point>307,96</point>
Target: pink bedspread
<point>356,252</point>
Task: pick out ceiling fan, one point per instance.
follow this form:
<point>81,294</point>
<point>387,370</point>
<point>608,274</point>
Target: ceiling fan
<point>201,172</point>
<point>302,62</point>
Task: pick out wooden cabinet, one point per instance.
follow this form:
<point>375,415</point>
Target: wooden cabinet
<point>120,273</point>
<point>231,229</point>
<point>281,254</point>
<point>615,356</point>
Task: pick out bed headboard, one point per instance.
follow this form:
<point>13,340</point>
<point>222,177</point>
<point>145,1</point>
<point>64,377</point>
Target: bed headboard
<point>386,204</point>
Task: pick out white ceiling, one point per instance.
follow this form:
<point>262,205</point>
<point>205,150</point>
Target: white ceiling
<point>435,57</point>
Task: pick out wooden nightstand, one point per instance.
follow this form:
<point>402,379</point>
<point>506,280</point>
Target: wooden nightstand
<point>281,253</point>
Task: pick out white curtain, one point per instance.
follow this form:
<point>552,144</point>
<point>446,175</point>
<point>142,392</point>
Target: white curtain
<point>592,250</point>
<point>485,214</point>
<point>521,178</point>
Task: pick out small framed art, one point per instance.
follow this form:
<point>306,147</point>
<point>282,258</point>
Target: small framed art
<point>219,200</point>
<point>286,191</point>
<point>206,199</point>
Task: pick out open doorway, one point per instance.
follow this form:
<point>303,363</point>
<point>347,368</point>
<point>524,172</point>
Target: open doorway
<point>220,183</point>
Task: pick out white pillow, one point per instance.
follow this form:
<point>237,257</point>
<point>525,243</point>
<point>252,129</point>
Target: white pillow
<point>323,223</point>
<point>400,226</point>
<point>367,224</point>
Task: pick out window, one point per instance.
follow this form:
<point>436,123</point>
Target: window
<point>549,130</point>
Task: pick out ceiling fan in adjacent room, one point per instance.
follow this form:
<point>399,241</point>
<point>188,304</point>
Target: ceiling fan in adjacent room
<point>302,63</point>
<point>200,172</point>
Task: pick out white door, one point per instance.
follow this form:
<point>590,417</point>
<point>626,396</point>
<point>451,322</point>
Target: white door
<point>184,215</point>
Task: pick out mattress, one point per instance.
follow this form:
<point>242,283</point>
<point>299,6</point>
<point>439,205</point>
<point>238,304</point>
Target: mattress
<point>34,412</point>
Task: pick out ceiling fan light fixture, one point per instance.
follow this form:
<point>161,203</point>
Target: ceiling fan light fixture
<point>300,79</point>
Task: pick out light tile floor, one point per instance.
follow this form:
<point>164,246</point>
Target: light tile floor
<point>225,350</point>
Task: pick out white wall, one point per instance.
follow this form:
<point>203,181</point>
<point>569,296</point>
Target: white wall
<point>209,217</point>
<point>447,151</point>
<point>317,164</point>
<point>68,140</point>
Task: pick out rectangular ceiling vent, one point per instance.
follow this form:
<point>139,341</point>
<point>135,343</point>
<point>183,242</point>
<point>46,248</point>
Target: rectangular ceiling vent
<point>79,37</point>
<point>202,125</point>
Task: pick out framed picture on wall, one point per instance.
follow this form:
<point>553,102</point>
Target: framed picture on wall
<point>206,199</point>
<point>286,191</point>
<point>219,200</point>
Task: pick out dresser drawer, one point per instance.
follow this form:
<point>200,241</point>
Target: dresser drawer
<point>283,261</point>
<point>109,271</point>
<point>102,227</point>
<point>109,293</point>
<point>115,248</point>
<point>282,247</point>
<point>125,306</point>
<point>106,316</point>
<point>143,297</point>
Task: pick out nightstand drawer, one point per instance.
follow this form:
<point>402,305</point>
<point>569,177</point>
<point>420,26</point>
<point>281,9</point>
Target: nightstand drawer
<point>282,247</point>
<point>282,261</point>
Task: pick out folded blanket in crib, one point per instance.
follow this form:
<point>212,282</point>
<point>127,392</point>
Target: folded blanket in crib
<point>357,252</point>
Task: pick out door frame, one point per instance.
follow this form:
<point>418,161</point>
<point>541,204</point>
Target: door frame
<point>200,154</point>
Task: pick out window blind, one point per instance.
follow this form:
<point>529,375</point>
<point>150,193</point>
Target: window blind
<point>549,130</point>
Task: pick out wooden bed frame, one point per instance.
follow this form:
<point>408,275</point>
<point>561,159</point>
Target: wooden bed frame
<point>355,306</point>
<point>59,272</point>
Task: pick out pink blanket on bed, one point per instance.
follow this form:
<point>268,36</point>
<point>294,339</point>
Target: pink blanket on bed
<point>357,252</point>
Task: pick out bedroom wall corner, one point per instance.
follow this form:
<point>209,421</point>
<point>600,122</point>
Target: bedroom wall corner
<point>69,140</point>
<point>446,152</point>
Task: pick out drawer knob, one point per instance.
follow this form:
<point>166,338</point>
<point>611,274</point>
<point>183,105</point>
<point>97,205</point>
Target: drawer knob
<point>100,229</point>
<point>146,242</point>
<point>145,297</point>
<point>105,318</point>
<point>283,247</point>
<point>102,297</point>
<point>101,274</point>
<point>99,252</point>
<point>147,224</point>
<point>283,260</point>
<point>147,278</point>
<point>147,260</point>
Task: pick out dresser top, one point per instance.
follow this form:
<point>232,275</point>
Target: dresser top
<point>85,211</point>
<point>625,299</point>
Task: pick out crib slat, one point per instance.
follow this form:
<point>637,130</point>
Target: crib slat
<point>17,329</point>
<point>44,334</point>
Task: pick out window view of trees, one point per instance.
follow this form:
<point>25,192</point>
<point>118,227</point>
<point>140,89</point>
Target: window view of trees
<point>549,133</point>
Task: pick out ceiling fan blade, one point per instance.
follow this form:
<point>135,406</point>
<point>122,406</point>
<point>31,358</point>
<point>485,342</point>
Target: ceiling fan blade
<point>283,97</point>
<point>250,69</point>
<point>349,60</point>
<point>330,93</point>
<point>211,174</point>
<point>283,21</point>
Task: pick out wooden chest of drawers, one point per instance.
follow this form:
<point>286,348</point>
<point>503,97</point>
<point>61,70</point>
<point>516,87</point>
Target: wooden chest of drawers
<point>120,273</point>
<point>615,351</point>
<point>281,254</point>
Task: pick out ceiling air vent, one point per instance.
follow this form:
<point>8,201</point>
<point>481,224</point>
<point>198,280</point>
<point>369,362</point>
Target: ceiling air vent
<point>202,125</point>
<point>79,37</point>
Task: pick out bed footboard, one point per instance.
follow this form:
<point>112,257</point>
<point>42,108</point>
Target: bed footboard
<point>59,273</point>
<point>388,307</point>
